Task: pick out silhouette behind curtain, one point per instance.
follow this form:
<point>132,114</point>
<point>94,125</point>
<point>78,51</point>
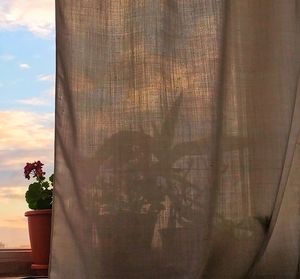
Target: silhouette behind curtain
<point>176,139</point>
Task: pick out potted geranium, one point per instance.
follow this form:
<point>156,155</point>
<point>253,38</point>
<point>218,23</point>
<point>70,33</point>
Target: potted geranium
<point>39,199</point>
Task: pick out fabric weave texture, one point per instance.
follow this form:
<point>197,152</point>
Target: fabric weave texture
<point>177,139</point>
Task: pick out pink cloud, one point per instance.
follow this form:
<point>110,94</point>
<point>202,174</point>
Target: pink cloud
<point>24,137</point>
<point>38,16</point>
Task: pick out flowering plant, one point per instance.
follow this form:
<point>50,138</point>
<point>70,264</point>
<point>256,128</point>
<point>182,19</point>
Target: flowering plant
<point>40,192</point>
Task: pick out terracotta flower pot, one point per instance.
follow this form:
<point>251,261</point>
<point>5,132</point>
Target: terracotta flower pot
<point>39,225</point>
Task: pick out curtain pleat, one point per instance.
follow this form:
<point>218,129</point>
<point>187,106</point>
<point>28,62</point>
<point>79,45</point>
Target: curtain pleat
<point>177,139</point>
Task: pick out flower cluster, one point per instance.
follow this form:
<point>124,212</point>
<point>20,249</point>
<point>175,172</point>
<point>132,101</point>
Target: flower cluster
<point>40,192</point>
<point>36,168</point>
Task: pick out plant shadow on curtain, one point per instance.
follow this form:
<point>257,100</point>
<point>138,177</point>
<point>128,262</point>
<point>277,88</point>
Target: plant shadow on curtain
<point>176,129</point>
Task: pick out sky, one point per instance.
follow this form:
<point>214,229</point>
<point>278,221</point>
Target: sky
<point>27,69</point>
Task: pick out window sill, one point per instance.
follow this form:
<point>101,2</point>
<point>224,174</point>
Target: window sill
<point>15,262</point>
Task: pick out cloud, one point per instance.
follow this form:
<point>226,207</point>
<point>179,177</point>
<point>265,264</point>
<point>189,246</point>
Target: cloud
<point>25,130</point>
<point>24,137</point>
<point>50,92</point>
<point>37,16</point>
<point>7,57</point>
<point>45,78</point>
<point>8,193</point>
<point>24,66</point>
<point>45,99</point>
<point>34,102</point>
<point>12,164</point>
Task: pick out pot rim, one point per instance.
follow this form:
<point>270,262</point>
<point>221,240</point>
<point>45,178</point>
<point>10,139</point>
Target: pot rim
<point>38,212</point>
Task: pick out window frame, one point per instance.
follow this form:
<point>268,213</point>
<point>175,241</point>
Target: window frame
<point>15,262</point>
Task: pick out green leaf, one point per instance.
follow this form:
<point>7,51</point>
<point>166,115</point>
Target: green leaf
<point>33,205</point>
<point>46,194</point>
<point>45,184</point>
<point>34,192</point>
<point>39,196</point>
<point>44,203</point>
<point>51,179</point>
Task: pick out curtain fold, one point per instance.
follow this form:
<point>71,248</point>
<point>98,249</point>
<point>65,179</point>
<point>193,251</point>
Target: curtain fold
<point>177,125</point>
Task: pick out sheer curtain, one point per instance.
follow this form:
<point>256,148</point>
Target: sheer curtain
<point>177,124</point>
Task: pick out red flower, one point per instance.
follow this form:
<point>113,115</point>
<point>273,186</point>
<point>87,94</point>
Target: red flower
<point>36,168</point>
<point>27,170</point>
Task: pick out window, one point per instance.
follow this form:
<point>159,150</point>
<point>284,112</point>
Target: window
<point>27,65</point>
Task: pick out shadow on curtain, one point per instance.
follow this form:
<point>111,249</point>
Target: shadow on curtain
<point>176,139</point>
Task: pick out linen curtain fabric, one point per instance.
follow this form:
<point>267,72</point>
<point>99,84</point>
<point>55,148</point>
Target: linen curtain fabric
<point>177,124</point>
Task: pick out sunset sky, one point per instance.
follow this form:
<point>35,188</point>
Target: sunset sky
<point>27,66</point>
